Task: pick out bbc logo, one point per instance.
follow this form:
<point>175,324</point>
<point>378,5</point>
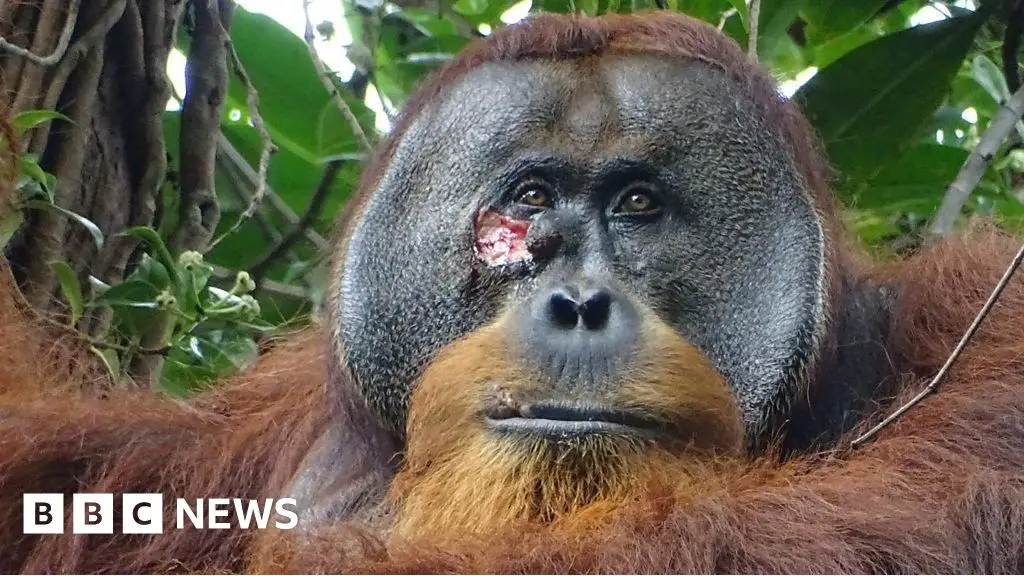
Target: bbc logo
<point>144,513</point>
<point>93,514</point>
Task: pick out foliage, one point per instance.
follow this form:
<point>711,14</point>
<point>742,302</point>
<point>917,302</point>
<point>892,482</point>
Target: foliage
<point>883,91</point>
<point>897,104</point>
<point>212,329</point>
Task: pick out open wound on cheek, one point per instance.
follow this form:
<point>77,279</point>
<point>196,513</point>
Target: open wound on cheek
<point>500,239</point>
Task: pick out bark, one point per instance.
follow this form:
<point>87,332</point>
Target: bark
<point>110,162</point>
<point>206,79</point>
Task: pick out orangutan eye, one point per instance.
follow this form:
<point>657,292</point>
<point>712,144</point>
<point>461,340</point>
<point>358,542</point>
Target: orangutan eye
<point>636,202</point>
<point>535,196</point>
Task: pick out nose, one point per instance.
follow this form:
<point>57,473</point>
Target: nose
<point>587,314</point>
<point>568,309</point>
<point>578,331</point>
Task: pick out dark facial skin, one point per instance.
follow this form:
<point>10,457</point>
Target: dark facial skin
<point>663,192</point>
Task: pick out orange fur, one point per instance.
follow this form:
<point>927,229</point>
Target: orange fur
<point>940,491</point>
<point>487,482</point>
<point>243,439</point>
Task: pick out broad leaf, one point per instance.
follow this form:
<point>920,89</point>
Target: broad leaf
<point>923,173</point>
<point>71,289</point>
<point>29,119</point>
<point>773,25</point>
<point>94,230</point>
<point>870,104</point>
<point>834,17</point>
<point>299,112</point>
<point>707,10</point>
<point>130,293</point>
<point>470,7</point>
<point>155,243</point>
<point>9,225</point>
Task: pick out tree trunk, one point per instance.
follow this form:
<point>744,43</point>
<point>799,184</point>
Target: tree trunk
<point>110,162</point>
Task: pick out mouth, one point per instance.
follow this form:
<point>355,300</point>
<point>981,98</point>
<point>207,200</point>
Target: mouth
<point>562,421</point>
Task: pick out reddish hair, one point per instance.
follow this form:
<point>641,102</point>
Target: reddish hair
<point>941,490</point>
<point>561,37</point>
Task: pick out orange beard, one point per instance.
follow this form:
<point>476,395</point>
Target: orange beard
<point>460,478</point>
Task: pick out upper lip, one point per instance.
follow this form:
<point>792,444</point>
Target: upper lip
<point>561,419</point>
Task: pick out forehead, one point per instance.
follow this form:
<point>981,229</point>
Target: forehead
<point>601,105</point>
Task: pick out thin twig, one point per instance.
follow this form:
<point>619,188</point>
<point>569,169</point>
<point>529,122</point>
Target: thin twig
<point>755,17</point>
<point>58,51</point>
<point>239,185</point>
<point>43,317</point>
<point>236,158</point>
<point>389,112</point>
<point>267,286</point>
<point>974,168</point>
<point>316,203</point>
<point>332,88</point>
<point>57,81</point>
<point>1011,45</point>
<point>933,386</point>
<point>252,101</point>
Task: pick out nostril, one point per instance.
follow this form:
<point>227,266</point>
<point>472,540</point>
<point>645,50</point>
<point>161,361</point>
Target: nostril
<point>563,310</point>
<point>595,309</point>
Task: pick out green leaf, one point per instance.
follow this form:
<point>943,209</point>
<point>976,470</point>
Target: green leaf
<point>194,360</point>
<point>134,305</point>
<point>94,230</point>
<point>152,238</point>
<point>428,22</point>
<point>708,10</point>
<point>30,167</point>
<point>130,293</point>
<point>219,297</point>
<point>921,174</point>
<point>97,287</point>
<point>773,25</point>
<point>986,73</point>
<point>9,225</point>
<point>870,104</point>
<point>742,11</point>
<point>911,188</point>
<point>470,7</point>
<point>71,289</point>
<point>834,17</point>
<point>559,6</point>
<point>299,117</point>
<point>823,54</point>
<point>110,360</point>
<point>152,272</point>
<point>29,119</point>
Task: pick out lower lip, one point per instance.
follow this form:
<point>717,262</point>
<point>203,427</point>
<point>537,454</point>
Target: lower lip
<point>558,428</point>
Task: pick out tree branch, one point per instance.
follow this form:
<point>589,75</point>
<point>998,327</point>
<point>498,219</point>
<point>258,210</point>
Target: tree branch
<point>755,17</point>
<point>1011,45</point>
<point>235,157</point>
<point>62,44</point>
<point>332,88</point>
<point>58,81</point>
<point>252,101</point>
<point>316,203</point>
<point>207,84</point>
<point>974,168</point>
<point>933,385</point>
